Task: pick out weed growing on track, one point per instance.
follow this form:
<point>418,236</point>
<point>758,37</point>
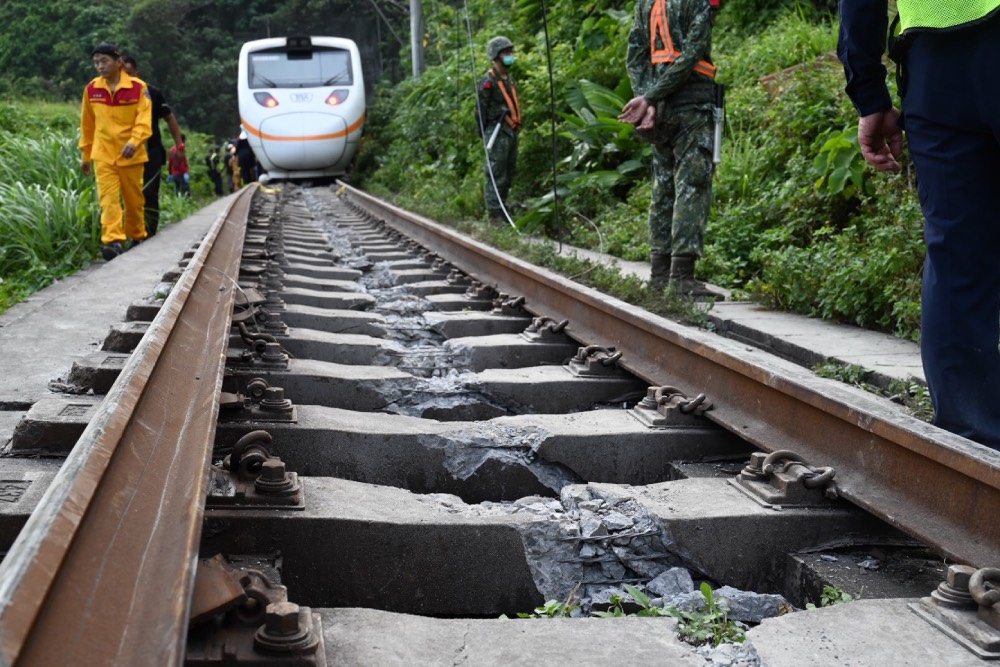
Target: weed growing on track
<point>912,395</point>
<point>710,625</point>
<point>706,623</point>
<point>832,595</point>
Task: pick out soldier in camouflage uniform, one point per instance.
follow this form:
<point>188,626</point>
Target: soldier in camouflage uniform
<point>673,80</point>
<point>498,104</point>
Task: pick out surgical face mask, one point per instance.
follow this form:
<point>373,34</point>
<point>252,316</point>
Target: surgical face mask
<point>507,61</point>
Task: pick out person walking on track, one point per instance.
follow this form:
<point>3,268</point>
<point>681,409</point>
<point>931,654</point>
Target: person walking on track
<point>152,171</point>
<point>115,121</point>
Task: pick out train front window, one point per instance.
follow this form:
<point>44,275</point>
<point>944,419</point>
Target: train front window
<point>322,67</point>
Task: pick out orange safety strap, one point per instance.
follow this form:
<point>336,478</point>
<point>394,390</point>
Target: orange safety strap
<point>513,118</point>
<point>659,26</point>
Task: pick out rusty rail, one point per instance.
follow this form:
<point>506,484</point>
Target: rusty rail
<point>940,488</point>
<point>103,570</point>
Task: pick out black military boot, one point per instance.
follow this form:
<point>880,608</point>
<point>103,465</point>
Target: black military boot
<point>659,276</point>
<point>682,280</point>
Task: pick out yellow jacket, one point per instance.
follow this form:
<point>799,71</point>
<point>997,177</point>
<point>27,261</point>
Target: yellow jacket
<point>109,120</point>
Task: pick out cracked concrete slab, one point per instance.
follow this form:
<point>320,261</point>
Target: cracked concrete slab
<point>863,633</point>
<point>367,637</point>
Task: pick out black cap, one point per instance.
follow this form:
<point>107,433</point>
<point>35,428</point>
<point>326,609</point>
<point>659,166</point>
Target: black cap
<point>107,50</point>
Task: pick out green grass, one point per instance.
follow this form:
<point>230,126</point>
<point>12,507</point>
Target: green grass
<point>912,395</point>
<point>49,220</point>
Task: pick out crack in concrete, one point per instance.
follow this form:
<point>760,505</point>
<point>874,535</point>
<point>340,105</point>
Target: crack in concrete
<point>463,651</point>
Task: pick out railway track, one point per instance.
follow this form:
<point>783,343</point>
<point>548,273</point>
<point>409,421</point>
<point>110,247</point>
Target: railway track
<point>431,395</point>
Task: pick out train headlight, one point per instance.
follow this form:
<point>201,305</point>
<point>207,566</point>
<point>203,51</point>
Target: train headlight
<point>337,97</point>
<point>265,100</point>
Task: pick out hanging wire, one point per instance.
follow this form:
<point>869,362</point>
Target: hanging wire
<point>552,121</point>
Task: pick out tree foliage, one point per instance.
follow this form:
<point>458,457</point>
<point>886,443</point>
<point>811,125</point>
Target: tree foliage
<point>188,48</point>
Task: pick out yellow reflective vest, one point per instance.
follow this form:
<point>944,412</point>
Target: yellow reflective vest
<point>942,14</point>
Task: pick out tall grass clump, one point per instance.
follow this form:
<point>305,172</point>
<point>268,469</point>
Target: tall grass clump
<point>49,219</point>
<point>47,229</point>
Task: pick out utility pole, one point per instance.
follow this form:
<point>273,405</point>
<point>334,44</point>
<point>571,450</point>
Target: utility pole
<point>417,37</point>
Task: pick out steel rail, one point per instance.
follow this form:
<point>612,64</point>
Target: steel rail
<point>938,487</point>
<point>103,570</point>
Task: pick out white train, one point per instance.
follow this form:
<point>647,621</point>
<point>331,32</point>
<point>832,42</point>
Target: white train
<point>302,104</point>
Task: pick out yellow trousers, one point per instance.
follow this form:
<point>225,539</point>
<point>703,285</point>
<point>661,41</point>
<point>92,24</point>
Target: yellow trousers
<point>114,185</point>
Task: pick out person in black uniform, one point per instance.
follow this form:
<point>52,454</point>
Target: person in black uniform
<point>247,160</point>
<point>154,147</point>
<point>212,161</point>
<point>950,88</point>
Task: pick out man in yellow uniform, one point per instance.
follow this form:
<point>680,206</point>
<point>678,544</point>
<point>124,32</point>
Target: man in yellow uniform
<point>115,121</point>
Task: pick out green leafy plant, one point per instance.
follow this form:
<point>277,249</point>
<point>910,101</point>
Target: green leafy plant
<point>554,608</point>
<point>551,609</point>
<point>832,595</point>
<point>839,164</point>
<point>847,373</point>
<point>913,395</point>
<point>710,625</point>
<point>696,626</point>
<point>646,608</point>
<point>916,397</point>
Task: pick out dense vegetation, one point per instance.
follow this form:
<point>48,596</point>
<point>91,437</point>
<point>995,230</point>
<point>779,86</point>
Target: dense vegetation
<point>798,222</point>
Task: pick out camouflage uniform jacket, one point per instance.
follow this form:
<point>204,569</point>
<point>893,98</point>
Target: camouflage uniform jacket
<point>492,103</point>
<point>691,32</point>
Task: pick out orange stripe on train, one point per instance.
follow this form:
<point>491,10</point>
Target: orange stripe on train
<point>311,137</point>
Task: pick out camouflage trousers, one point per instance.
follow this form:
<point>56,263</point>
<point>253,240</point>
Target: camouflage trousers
<point>502,165</point>
<point>682,180</point>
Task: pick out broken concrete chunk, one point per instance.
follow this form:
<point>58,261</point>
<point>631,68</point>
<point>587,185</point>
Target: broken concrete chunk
<point>673,582</point>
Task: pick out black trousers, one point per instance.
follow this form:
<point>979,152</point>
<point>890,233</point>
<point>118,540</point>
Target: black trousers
<point>951,111</point>
<point>151,191</point>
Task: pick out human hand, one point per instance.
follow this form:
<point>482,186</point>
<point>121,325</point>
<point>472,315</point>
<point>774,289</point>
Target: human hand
<point>635,110</point>
<point>881,140</point>
<point>648,119</point>
<point>129,150</point>
<point>85,167</point>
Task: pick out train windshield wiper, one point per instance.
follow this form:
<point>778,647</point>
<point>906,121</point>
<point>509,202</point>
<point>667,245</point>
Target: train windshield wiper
<point>334,80</point>
<point>264,80</point>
